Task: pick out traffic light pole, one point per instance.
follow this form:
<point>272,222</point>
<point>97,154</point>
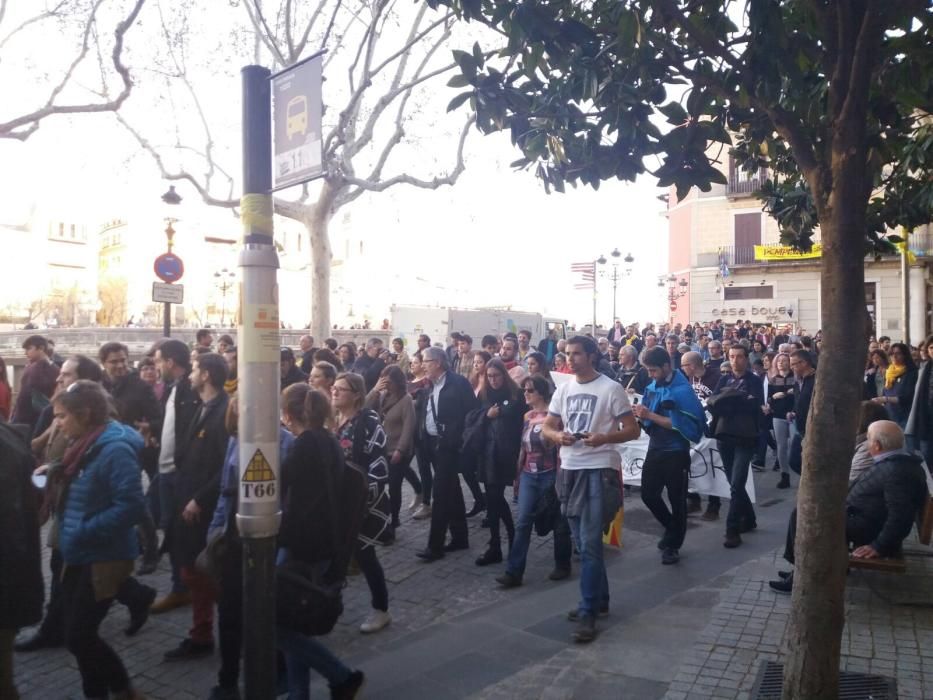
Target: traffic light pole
<point>259,514</point>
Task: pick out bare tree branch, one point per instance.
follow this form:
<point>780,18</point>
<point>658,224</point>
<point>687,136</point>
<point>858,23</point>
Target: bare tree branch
<point>180,175</point>
<point>405,179</point>
<point>24,126</point>
<point>262,31</point>
<point>54,12</point>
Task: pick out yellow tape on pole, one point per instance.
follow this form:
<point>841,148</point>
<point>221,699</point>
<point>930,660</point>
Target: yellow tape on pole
<point>256,213</point>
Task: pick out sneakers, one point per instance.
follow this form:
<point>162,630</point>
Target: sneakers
<point>670,556</point>
<point>377,620</point>
<point>36,642</point>
<point>170,602</point>
<point>415,504</point>
<point>784,483</point>
<point>559,573</point>
<point>423,512</point>
<point>139,614</point>
<point>574,615</point>
<point>507,580</point>
<point>189,649</point>
<point>586,630</point>
<point>733,540</point>
<point>350,688</point>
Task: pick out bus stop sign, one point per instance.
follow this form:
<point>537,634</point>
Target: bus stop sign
<point>296,123</point>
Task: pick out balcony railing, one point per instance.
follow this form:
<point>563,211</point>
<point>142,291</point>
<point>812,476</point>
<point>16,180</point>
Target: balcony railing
<point>921,245</point>
<point>741,183</point>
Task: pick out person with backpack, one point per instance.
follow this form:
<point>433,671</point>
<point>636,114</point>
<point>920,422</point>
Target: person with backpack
<point>363,441</point>
<point>227,567</point>
<point>319,528</point>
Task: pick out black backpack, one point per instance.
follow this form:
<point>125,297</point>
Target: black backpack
<point>309,595</point>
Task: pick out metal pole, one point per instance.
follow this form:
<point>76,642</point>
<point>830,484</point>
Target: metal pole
<point>594,298</point>
<point>167,320</point>
<point>259,513</point>
<point>615,284</point>
<point>905,292</point>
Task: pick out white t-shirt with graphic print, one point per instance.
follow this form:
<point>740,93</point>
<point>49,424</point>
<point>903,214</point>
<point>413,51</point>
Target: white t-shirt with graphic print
<point>593,407</point>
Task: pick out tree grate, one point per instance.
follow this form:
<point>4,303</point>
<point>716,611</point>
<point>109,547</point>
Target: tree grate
<point>852,686</point>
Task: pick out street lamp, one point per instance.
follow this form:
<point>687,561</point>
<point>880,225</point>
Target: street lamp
<point>617,276</point>
<point>225,281</point>
<point>675,289</point>
<point>171,199</point>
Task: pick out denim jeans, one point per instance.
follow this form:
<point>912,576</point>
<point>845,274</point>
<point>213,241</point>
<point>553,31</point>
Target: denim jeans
<point>302,653</point>
<point>587,529</point>
<point>782,435</point>
<point>736,459</point>
<point>532,487</point>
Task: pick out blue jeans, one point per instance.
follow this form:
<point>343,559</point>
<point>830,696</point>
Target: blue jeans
<point>736,459</point>
<point>167,511</point>
<point>587,529</point>
<point>302,653</point>
<point>532,486</point>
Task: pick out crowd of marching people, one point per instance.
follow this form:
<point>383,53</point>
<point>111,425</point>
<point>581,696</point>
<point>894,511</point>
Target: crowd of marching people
<point>534,426</point>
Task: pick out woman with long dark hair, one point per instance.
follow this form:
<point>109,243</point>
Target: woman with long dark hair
<point>502,411</point>
<point>875,370</point>
<point>537,464</point>
<point>780,400</point>
<point>346,356</point>
<point>100,503</point>
<point>391,400</point>
<point>900,382</point>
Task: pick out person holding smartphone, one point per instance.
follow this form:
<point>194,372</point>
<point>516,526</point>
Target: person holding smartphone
<point>673,417</point>
<point>587,417</point>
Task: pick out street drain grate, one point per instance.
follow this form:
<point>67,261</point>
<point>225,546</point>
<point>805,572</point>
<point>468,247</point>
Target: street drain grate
<point>852,686</point>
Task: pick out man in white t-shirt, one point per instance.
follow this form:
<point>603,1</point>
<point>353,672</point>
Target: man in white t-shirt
<point>584,417</point>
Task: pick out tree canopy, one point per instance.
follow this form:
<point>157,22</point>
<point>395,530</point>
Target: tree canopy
<point>584,89</point>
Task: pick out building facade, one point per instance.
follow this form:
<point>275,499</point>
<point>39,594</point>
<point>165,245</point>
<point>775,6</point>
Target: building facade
<point>729,253</point>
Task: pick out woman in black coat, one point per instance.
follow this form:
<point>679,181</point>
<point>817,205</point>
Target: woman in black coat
<point>500,417</point>
<point>21,585</point>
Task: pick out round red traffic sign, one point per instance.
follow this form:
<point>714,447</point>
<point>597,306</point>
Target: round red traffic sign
<point>673,306</point>
<point>168,267</point>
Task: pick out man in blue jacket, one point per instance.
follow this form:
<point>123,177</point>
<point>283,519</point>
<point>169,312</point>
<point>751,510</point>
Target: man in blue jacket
<point>673,417</point>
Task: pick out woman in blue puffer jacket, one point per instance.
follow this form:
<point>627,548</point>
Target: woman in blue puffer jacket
<point>100,503</point>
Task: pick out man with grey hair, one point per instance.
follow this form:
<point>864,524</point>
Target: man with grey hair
<point>882,503</point>
<point>449,401</point>
<point>306,345</point>
<point>369,365</point>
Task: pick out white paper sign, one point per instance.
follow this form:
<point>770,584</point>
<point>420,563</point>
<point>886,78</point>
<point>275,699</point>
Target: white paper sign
<point>707,474</point>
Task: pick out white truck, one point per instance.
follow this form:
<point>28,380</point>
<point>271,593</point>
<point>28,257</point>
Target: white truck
<point>408,322</point>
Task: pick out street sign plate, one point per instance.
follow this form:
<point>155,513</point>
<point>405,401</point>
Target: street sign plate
<point>296,117</point>
<point>162,292</point>
<point>168,267</point>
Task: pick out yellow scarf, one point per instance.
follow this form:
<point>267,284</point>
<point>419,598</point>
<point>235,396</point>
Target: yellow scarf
<point>892,374</point>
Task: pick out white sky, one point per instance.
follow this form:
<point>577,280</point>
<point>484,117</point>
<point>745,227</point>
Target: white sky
<point>495,238</point>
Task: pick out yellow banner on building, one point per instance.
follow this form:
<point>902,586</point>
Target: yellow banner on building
<point>784,252</point>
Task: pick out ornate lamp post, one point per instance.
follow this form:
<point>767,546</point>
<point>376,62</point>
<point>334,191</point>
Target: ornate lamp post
<point>171,199</point>
<point>225,281</point>
<point>617,276</point>
<point>675,289</point>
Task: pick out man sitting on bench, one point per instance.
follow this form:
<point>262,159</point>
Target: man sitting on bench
<point>882,503</point>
